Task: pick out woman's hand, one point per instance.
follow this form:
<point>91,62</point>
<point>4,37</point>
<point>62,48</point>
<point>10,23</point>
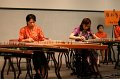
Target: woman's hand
<point>77,38</point>
<point>28,40</point>
<point>82,38</point>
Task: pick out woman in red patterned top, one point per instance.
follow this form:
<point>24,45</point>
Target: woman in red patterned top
<point>30,33</point>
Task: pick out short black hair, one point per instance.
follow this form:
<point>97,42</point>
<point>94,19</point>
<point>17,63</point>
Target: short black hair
<point>30,16</point>
<point>100,25</point>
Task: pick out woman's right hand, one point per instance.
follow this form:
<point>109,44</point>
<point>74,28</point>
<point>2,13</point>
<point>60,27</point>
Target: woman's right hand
<point>28,40</point>
<point>78,38</point>
<point>82,38</point>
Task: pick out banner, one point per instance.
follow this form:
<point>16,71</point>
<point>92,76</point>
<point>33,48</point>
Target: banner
<point>111,17</point>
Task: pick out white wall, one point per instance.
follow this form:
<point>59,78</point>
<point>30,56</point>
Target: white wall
<point>63,4</point>
<point>56,25</point>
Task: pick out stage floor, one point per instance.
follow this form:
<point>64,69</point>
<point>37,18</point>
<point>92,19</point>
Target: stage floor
<point>107,71</point>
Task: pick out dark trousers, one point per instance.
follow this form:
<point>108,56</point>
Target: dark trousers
<point>39,61</point>
<point>81,63</point>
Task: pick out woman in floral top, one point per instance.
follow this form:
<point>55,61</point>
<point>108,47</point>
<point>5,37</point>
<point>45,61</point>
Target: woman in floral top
<point>82,33</point>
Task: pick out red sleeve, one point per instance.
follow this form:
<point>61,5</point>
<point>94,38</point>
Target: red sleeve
<point>41,36</point>
<point>105,35</point>
<point>21,34</point>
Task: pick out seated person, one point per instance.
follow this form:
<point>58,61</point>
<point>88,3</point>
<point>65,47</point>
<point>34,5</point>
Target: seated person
<point>81,33</point>
<point>117,36</point>
<point>117,31</point>
<point>31,33</point>
<point>101,34</point>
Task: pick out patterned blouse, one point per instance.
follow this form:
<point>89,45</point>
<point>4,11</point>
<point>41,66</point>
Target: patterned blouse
<point>84,33</point>
<point>36,34</point>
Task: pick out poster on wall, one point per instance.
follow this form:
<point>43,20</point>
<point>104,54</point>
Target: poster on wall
<point>111,17</point>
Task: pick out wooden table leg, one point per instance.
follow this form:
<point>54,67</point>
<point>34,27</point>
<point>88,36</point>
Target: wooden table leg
<point>11,64</point>
<point>2,71</point>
